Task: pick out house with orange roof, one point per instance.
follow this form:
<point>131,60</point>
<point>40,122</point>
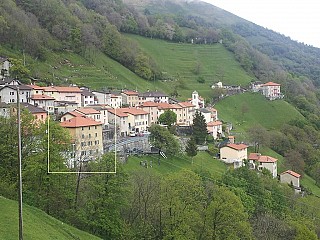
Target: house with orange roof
<point>176,108</point>
<point>233,152</point>
<point>103,109</point>
<point>90,113</point>
<point>271,90</point>
<point>152,109</point>
<point>130,98</point>
<point>120,120</point>
<point>35,89</point>
<point>86,136</point>
<point>138,119</point>
<point>68,115</point>
<point>215,128</point>
<point>64,94</point>
<point>70,94</point>
<point>259,162</point>
<point>188,111</point>
<point>290,177</point>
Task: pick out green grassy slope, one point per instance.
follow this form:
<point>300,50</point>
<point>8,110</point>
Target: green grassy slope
<point>203,161</point>
<point>248,109</point>
<point>37,224</point>
<point>178,60</point>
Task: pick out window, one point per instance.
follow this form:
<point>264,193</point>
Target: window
<point>95,127</point>
<point>89,135</point>
<point>82,128</point>
<point>96,134</point>
<point>89,128</point>
<point>82,136</point>
<point>83,153</point>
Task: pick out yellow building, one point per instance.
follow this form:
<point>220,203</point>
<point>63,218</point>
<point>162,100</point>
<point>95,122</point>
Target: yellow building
<point>130,98</point>
<point>86,136</point>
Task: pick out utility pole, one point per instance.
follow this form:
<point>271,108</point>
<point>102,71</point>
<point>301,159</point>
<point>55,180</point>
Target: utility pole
<point>20,167</point>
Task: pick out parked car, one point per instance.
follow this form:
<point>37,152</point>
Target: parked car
<point>132,133</point>
<point>145,132</point>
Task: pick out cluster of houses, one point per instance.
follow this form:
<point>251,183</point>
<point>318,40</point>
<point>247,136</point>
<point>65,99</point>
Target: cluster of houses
<point>237,154</point>
<point>270,90</point>
<point>85,113</point>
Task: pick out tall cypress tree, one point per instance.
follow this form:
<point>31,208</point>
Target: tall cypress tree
<point>199,128</point>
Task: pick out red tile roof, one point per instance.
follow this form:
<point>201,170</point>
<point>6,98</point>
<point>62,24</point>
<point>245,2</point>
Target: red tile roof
<point>36,87</point>
<point>271,84</point>
<point>149,104</point>
<point>87,111</point>
<point>41,97</point>
<point>50,89</point>
<point>133,111</point>
<point>237,146</point>
<point>297,175</point>
<point>79,122</point>
<point>258,157</point>
<point>117,112</point>
<point>186,104</point>
<point>254,156</point>
<point>68,89</point>
<point>164,106</point>
<point>131,93</point>
<point>267,159</point>
<point>214,123</point>
<point>74,113</point>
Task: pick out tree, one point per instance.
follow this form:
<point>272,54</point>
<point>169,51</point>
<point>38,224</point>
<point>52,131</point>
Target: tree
<point>182,199</point>
<point>199,128</point>
<point>168,118</point>
<point>18,70</point>
<point>258,135</point>
<point>162,139</point>
<point>191,148</point>
<point>103,196</point>
<point>294,160</point>
<point>226,217</point>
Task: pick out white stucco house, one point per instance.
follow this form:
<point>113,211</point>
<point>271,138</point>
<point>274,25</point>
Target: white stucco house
<point>258,161</point>
<point>290,177</point>
<point>232,152</point>
<point>271,90</point>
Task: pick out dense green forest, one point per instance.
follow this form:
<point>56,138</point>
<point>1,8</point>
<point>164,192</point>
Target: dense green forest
<point>145,205</point>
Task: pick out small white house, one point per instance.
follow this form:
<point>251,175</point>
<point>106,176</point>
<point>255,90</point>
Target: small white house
<point>271,90</point>
<point>215,128</point>
<point>233,152</point>
<point>290,177</point>
<point>258,161</point>
<point>8,93</point>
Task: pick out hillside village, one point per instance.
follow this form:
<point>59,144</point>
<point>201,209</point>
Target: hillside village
<point>94,117</point>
